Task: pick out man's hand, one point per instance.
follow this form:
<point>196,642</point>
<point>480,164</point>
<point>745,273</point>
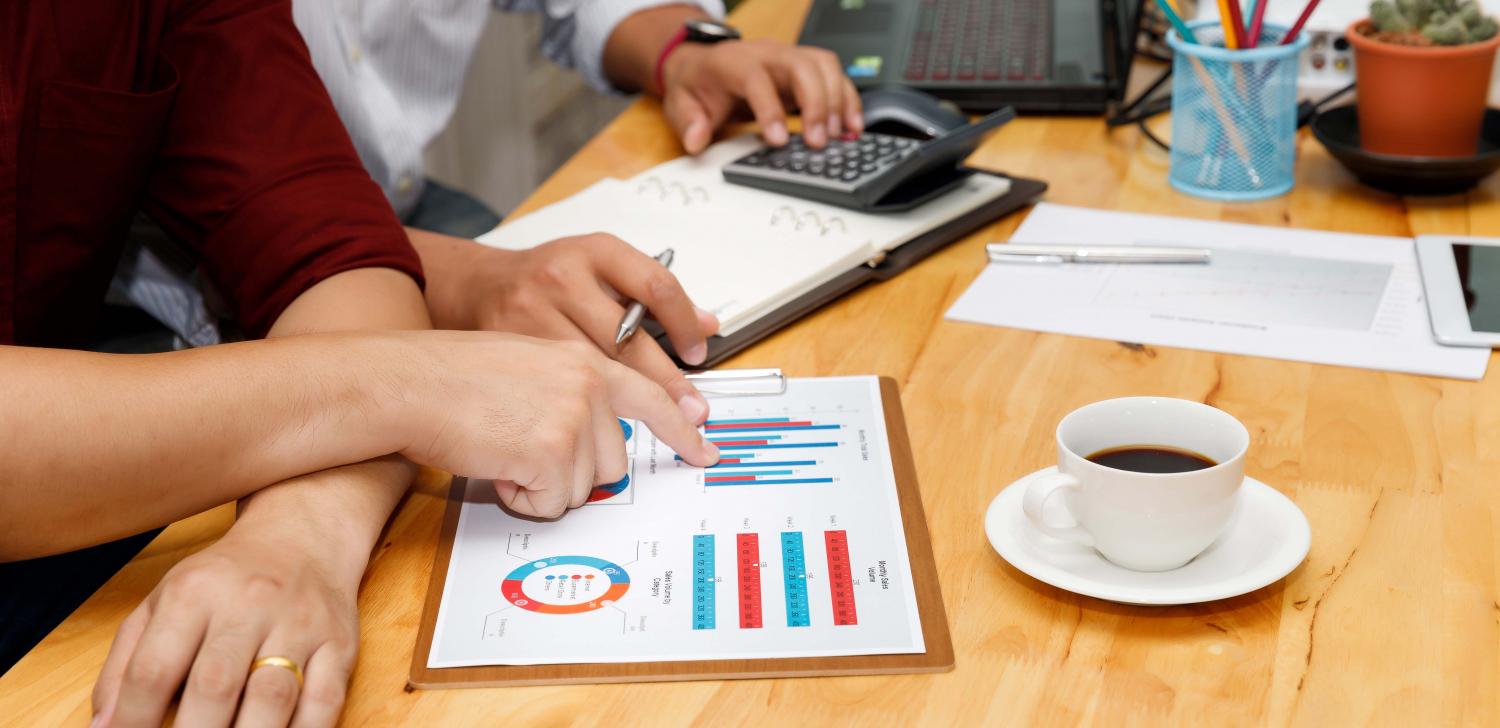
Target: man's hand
<point>572,289</point>
<point>706,85</point>
<point>535,416</point>
<point>278,584</point>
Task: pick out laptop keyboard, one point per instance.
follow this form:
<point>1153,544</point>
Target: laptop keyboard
<point>981,40</point>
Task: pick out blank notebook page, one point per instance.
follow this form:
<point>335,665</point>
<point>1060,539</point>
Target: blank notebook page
<point>740,252</point>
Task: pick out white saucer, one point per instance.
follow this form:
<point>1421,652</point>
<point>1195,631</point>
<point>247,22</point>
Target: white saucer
<point>1268,538</point>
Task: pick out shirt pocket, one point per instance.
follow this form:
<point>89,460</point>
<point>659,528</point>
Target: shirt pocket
<point>86,168</point>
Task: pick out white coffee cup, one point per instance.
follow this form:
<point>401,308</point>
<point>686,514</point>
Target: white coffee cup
<point>1143,521</point>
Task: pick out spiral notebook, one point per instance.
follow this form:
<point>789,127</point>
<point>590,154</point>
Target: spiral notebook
<point>751,256</point>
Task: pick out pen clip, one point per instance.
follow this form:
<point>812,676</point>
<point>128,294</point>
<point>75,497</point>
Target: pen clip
<point>739,382</point>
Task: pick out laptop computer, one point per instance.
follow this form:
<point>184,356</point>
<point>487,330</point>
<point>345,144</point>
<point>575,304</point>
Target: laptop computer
<point>1040,56</point>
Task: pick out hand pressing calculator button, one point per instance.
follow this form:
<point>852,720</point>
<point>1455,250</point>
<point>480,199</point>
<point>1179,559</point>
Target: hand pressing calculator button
<point>857,172</point>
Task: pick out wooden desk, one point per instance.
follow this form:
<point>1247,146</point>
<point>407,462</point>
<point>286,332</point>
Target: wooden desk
<point>1393,619</point>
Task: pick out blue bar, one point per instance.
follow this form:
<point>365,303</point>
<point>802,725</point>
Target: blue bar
<point>762,464</point>
<point>703,581</point>
<point>744,474</point>
<point>794,578</point>
<point>787,481</point>
<point>738,455</point>
<point>748,422</point>
<point>777,427</point>
<point>720,437</point>
<point>782,446</point>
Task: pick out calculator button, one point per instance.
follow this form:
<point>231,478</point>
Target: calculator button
<point>867,167</point>
<point>849,176</point>
<point>797,166</point>
<point>778,164</point>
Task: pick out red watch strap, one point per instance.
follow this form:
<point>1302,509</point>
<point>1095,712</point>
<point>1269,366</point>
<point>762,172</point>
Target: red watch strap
<point>661,60</point>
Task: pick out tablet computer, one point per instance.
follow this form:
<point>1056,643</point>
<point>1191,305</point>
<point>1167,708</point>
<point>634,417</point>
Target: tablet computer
<point>1461,277</point>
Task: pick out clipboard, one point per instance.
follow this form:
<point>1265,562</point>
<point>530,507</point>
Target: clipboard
<point>1023,192</point>
<point>933,619</point>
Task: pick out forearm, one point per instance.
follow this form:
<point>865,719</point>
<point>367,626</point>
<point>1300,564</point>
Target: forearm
<point>339,512</point>
<point>111,445</point>
<point>449,263</point>
<point>632,49</point>
<point>344,508</point>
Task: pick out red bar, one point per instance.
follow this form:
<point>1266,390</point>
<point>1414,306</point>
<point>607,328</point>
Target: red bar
<point>760,426</point>
<point>742,442</point>
<point>747,549</point>
<point>729,460</point>
<point>841,576</point>
<point>727,478</point>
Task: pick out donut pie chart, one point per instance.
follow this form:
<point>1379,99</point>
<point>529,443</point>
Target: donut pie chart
<point>540,585</point>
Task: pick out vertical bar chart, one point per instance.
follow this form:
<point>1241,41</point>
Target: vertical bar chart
<point>747,548</point>
<point>703,582</point>
<point>840,577</point>
<point>794,579</point>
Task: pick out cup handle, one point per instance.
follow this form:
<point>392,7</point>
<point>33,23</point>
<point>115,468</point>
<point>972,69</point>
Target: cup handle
<point>1038,493</point>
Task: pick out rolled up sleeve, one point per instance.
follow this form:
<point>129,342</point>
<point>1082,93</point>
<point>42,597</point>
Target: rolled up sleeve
<point>256,171</point>
<point>574,31</point>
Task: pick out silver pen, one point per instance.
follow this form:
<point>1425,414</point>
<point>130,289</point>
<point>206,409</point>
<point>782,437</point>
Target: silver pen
<point>636,311</point>
<point>1026,253</point>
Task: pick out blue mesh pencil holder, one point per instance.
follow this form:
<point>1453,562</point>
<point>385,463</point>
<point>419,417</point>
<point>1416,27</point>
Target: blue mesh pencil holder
<point>1234,114</point>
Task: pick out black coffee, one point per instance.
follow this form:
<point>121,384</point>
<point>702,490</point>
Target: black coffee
<point>1151,459</point>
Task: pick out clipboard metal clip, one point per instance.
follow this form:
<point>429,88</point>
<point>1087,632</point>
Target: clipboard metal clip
<point>739,382</point>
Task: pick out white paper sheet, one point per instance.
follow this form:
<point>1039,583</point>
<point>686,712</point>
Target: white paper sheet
<point>1327,298</point>
<point>796,550</point>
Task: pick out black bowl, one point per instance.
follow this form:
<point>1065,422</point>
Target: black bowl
<point>1338,130</point>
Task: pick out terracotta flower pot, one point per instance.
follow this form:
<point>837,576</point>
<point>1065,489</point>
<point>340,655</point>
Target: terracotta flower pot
<point>1420,101</point>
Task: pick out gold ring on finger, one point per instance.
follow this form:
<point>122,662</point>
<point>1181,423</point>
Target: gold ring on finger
<point>278,661</point>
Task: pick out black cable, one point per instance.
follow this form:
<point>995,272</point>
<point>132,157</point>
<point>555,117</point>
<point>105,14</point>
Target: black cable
<point>1150,135</point>
<point>1128,113</point>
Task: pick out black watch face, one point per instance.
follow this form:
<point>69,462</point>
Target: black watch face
<point>708,31</point>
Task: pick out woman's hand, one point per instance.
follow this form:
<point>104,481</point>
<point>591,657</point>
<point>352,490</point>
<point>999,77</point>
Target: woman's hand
<point>571,289</point>
<point>270,587</point>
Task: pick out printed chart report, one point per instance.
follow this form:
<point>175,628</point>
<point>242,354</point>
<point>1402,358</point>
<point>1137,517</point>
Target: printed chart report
<point>791,546</point>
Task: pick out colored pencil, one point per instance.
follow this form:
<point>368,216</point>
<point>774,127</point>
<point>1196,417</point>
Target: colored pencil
<point>1257,19</point>
<point>1176,20</point>
<point>1237,23</point>
<point>1291,35</point>
<point>1230,41</point>
<point>1226,120</point>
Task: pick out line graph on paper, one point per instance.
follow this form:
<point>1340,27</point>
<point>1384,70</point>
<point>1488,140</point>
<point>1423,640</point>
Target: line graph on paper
<point>1254,288</point>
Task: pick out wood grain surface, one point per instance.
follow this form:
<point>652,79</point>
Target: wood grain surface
<point>1394,619</point>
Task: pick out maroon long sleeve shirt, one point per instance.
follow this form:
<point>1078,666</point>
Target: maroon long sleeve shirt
<point>208,115</point>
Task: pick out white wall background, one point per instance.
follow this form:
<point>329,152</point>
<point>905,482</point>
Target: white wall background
<point>519,119</point>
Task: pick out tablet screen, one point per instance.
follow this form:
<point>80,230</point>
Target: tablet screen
<point>1479,272</point>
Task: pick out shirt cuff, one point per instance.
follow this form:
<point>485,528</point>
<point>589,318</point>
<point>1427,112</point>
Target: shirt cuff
<point>597,20</point>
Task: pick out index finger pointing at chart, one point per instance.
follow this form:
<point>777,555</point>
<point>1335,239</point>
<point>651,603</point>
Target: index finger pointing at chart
<point>633,396</point>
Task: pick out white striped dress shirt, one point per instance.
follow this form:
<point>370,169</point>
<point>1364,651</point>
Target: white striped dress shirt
<point>395,68</point>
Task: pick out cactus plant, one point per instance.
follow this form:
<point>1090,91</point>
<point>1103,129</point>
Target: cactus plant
<point>1431,22</point>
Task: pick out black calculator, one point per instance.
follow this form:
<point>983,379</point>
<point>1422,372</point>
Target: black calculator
<point>871,172</point>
